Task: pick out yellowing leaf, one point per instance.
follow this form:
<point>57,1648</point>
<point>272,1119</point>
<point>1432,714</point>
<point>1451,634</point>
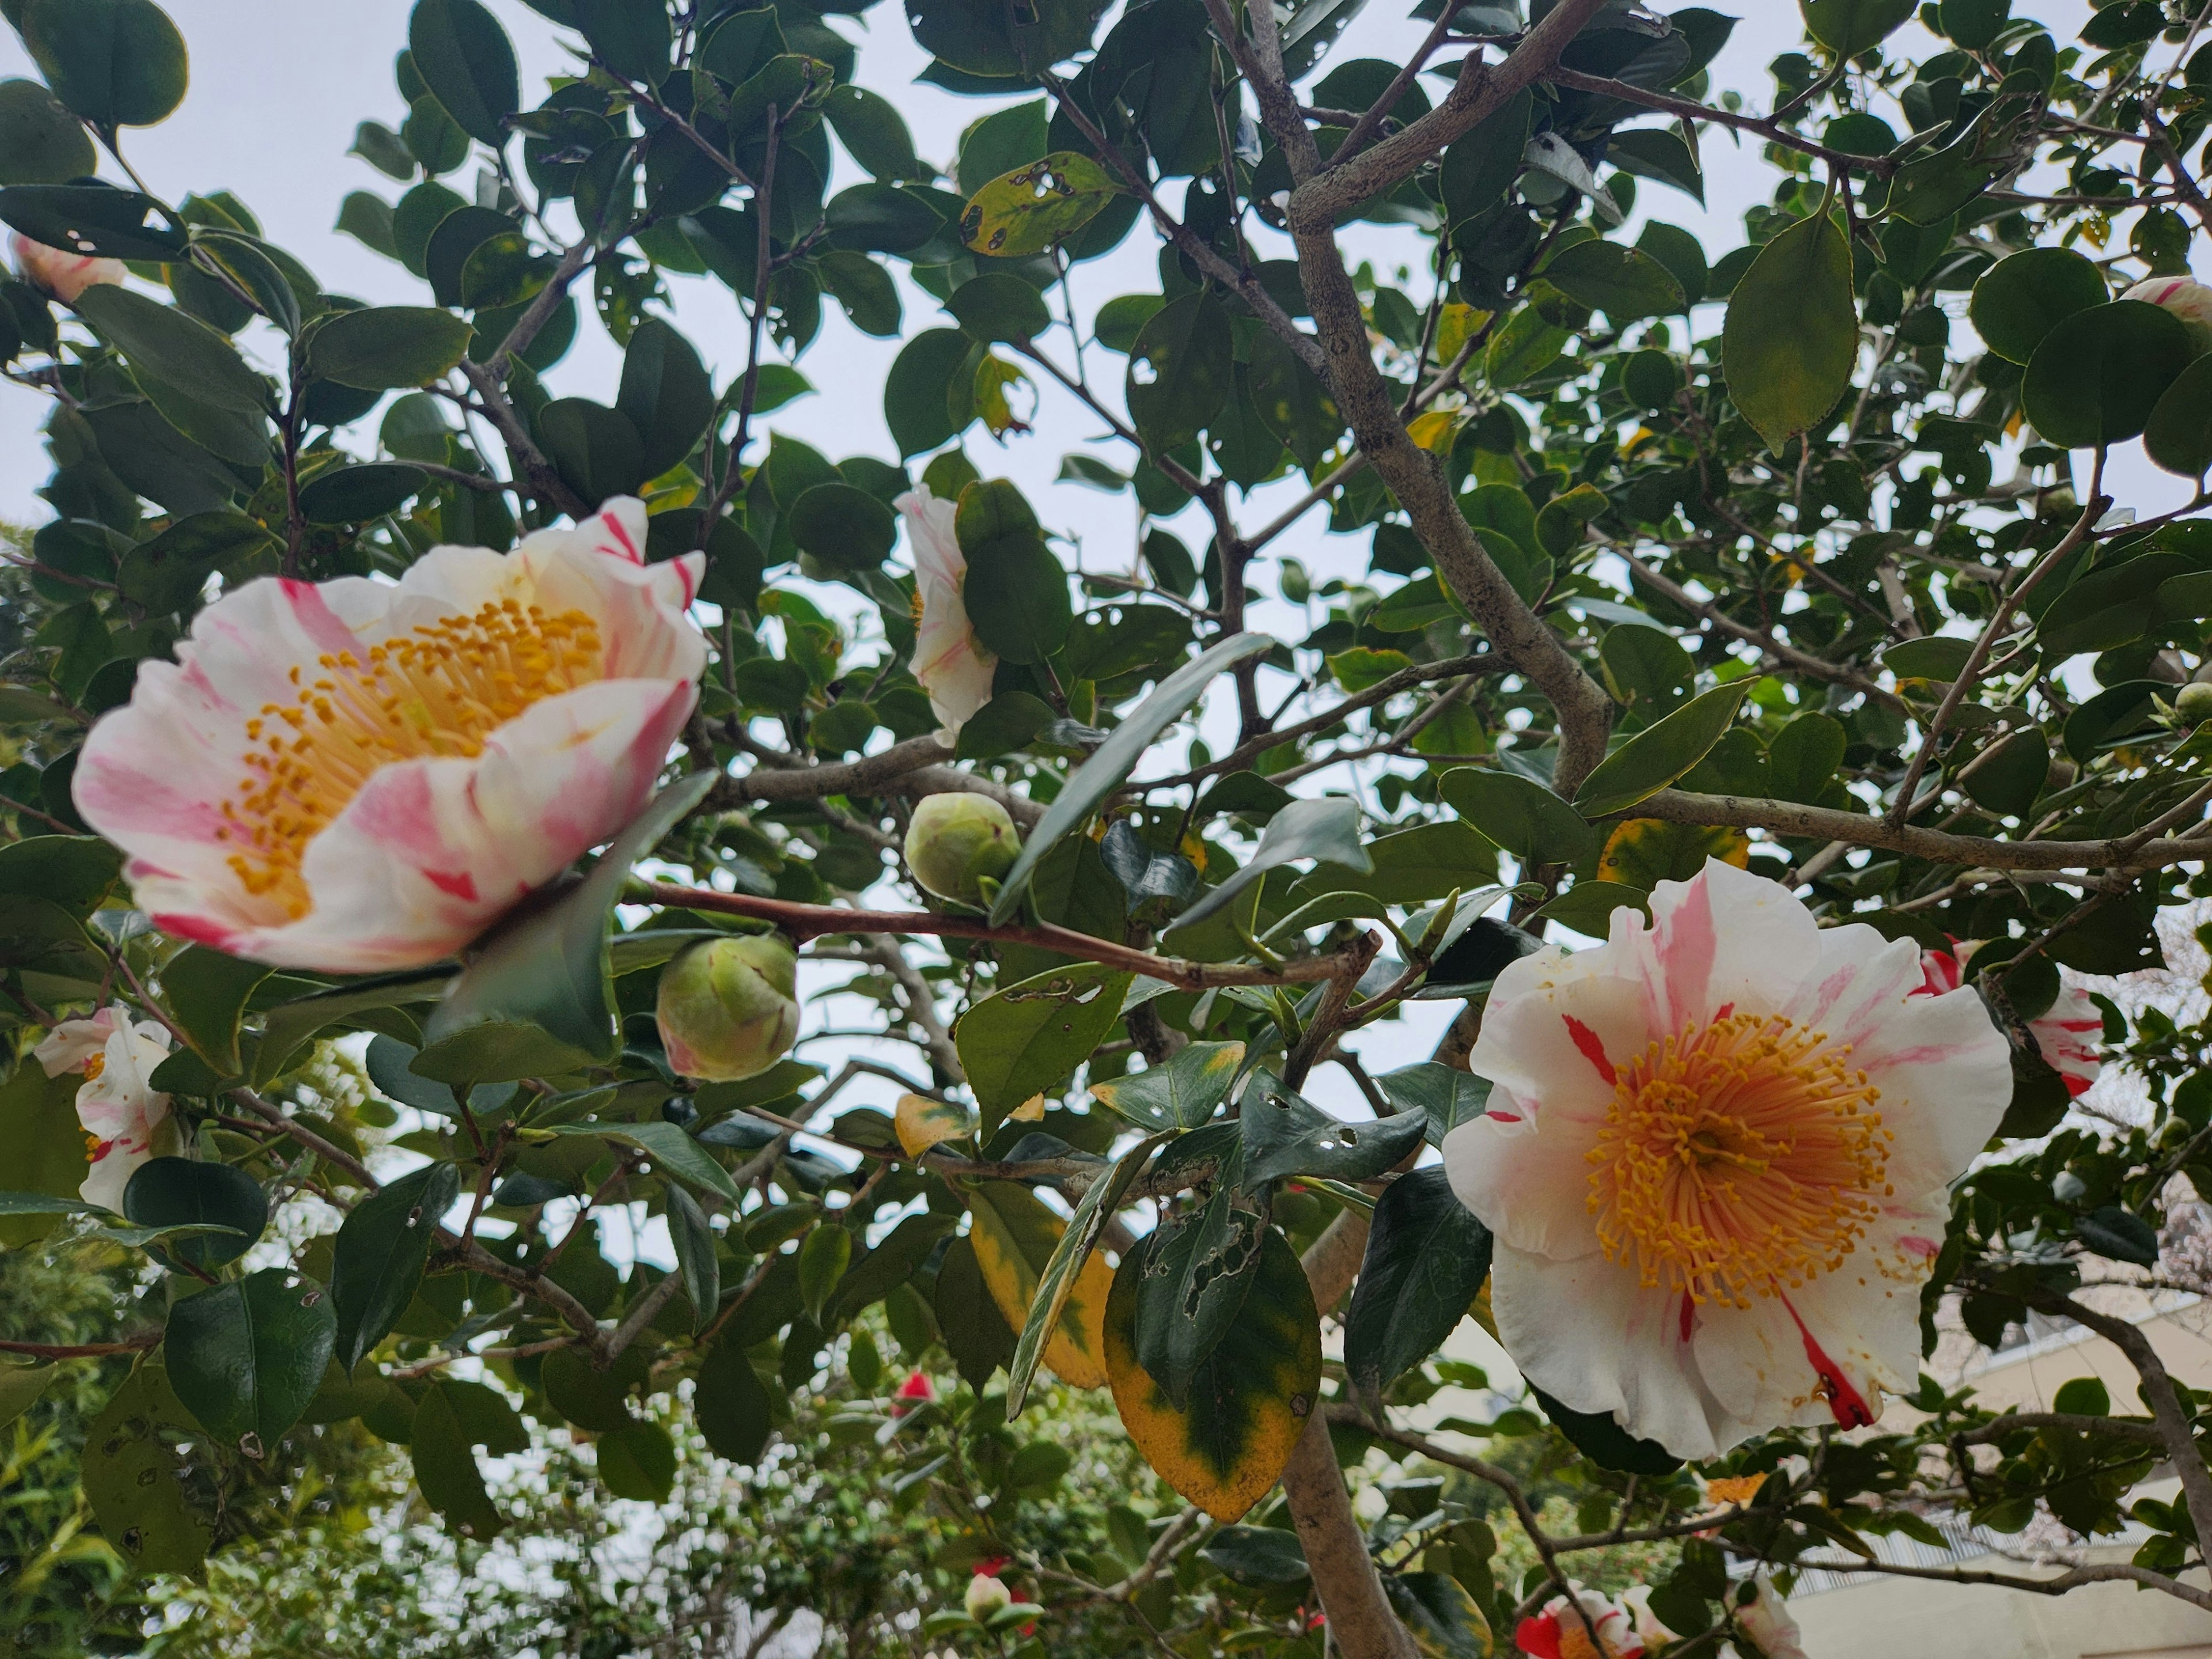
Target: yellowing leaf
<point>1029,1111</point>
<point>1644,852</point>
<point>1250,1398</point>
<point>1027,210</point>
<point>922,1123</point>
<point>1013,1235</point>
<point>1433,431</point>
<point>1457,326</point>
<point>995,378</point>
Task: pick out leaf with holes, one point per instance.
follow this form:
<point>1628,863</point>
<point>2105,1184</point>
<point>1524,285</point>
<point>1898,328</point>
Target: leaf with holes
<point>246,1356</point>
<point>1027,210</point>
<point>1444,1095</point>
<point>1028,1038</point>
<point>1180,370</point>
<point>1286,1134</point>
<point>1181,1094</point>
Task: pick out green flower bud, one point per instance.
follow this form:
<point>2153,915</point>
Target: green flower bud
<point>955,841</point>
<point>2192,704</point>
<point>728,1009</point>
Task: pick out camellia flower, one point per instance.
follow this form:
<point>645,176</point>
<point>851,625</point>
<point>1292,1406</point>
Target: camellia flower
<point>61,273</point>
<point>1558,1632</point>
<point>949,660</point>
<point>354,775</point>
<point>118,1104</point>
<point>2066,1034</point>
<point>1766,1621</point>
<point>917,1390</point>
<point>1714,1161</point>
<point>1651,1629</point>
<point>2187,299</point>
<point>987,1595</point>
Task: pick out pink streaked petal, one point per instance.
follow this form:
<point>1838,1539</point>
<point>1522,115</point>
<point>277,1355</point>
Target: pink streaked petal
<point>1528,1046</point>
<point>1528,1179</point>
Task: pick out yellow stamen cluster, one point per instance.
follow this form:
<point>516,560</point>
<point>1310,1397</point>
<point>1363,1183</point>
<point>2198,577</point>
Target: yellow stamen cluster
<point>442,691</point>
<point>94,1066</point>
<point>1737,1159</point>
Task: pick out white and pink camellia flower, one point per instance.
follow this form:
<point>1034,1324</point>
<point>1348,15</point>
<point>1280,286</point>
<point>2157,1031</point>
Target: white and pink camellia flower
<point>122,1112</point>
<point>1767,1622</point>
<point>355,775</point>
<point>1714,1161</point>
<point>2183,296</point>
<point>1557,1631</point>
<point>949,660</point>
<point>2066,1034</point>
<point>61,273</point>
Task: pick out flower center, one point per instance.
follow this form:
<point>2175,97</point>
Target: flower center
<point>1738,1159</point>
<point>442,691</point>
<point>93,1066</point>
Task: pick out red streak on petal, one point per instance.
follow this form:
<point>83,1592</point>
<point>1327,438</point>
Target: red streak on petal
<point>1689,1314</point>
<point>461,884</point>
<point>1724,1010</point>
<point>615,529</point>
<point>1593,1050</point>
<point>2075,1086</point>
<point>1504,1117</point>
<point>1919,1246</point>
<point>1539,1637</point>
<point>201,930</point>
<point>1848,1405</point>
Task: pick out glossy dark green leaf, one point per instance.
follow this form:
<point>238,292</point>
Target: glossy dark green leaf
<point>1482,163</point>
<point>1115,758</point>
<point>873,132</point>
<point>1444,1096</point>
<point>1792,333</point>
<point>246,1356</point>
<point>95,219</point>
<point>1026,1038</point>
<point>1624,283</point>
<point>288,1024</point>
<point>445,1468</point>
<point>382,1247</point>
<point>387,347</point>
<point>629,37</point>
<point>2097,374</point>
<point>1259,1556</point>
<point>355,494</point>
<point>914,390</point>
<point>2179,434</point>
<point>1293,402</point>
<point>999,306</point>
<point>1605,1443</point>
<point>1326,830</point>
<point>538,996</point>
<point>1658,152</point>
<point>861,284</point>
<point>1285,1134</point>
<point>176,1192</point>
<point>693,1238</point>
<point>666,392</point>
<point>1427,1256</point>
<point>1659,754</point>
<point>167,573</point>
<point>731,1405</point>
<point>1518,813</point>
<point>206,992</point>
<point>1848,27</point>
<point>466,58</point>
<point>1803,757</point>
<point>2025,295</point>
<point>1179,369</point>
<point>116,63</point>
<point>166,343</point>
<point>638,1460</point>
<point>2006,778</point>
<point>1017,597</point>
<point>40,141</point>
<point>1180,1094</point>
<point>844,527</point>
<point>1443,1618</point>
<point>2118,1235</point>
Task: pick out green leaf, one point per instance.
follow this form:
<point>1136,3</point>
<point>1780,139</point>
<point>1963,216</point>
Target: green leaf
<point>1116,757</point>
<point>2179,434</point>
<point>845,527</point>
<point>1179,371</point>
<point>1848,27</point>
<point>987,39</point>
<point>638,1462</point>
<point>670,1147</point>
<point>666,392</point>
<point>1528,344</point>
<point>20,1385</point>
<point>1015,1240</point>
<point>2025,295</point>
<point>598,449</point>
<point>1518,813</point>
<point>1939,657</point>
<point>1791,336</point>
<point>91,219</point>
<point>246,1356</point>
<point>1027,1037</point>
<point>206,992</point>
<point>376,1265</point>
<point>1003,725</point>
<point>1659,754</point>
<point>914,390</point>
<point>1444,1620</point>
<point>976,1334</point>
<point>693,1239</point>
<point>859,283</point>
<point>1016,596</point>
<point>2118,1235</point>
<point>1427,1256</point>
<point>1444,1095</point>
<point>731,1406</point>
<point>387,347</point>
<point>2099,374</point>
<point>1601,1439</point>
<point>1803,757</point>
<point>589,1397</point>
<point>890,1265</point>
<point>1259,1556</point>
<point>176,1192</point>
<point>1181,1094</point>
<point>1327,830</point>
<point>116,63</point>
<point>2006,778</point>
<point>1026,211</point>
<point>40,141</point>
<point>1624,283</point>
<point>1658,152</point>
<point>1062,1271</point>
<point>355,495</point>
<point>1285,1134</point>
<point>76,874</point>
<point>468,62</point>
<point>999,306</point>
<point>1248,1398</point>
<point>538,997</point>
<point>135,1481</point>
<point>445,1468</point>
<point>823,1256</point>
<point>1482,163</point>
<point>289,1025</point>
<point>630,37</point>
<point>165,343</point>
<point>873,132</point>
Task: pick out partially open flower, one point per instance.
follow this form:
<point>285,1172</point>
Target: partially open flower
<point>1714,1160</point>
<point>949,660</point>
<point>985,1595</point>
<point>59,272</point>
<point>727,1008</point>
<point>122,1113</point>
<point>1767,1622</point>
<point>2066,1033</point>
<point>354,775</point>
<point>1559,1631</point>
<point>2186,298</point>
<point>955,841</point>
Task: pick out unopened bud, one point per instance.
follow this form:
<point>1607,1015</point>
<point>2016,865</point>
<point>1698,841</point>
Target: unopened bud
<point>727,1008</point>
<point>987,1595</point>
<point>957,842</point>
<point>2192,704</point>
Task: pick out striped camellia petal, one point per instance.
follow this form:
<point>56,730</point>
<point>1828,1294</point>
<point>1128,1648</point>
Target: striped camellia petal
<point>356,775</point>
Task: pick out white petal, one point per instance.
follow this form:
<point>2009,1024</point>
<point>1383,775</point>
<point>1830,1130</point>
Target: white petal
<point>1727,937</point>
<point>1525,1175</point>
<point>1558,1028</point>
<point>1587,1332</point>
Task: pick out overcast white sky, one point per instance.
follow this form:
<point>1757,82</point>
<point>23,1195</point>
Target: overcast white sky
<point>278,85</point>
